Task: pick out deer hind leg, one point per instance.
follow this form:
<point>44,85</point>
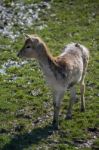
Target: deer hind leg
<point>57,102</point>
<point>82,89</point>
<point>71,102</point>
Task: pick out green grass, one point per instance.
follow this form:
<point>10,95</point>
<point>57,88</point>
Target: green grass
<point>26,103</point>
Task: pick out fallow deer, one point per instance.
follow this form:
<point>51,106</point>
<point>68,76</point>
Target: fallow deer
<point>62,72</point>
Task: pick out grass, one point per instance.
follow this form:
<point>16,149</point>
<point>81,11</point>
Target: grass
<point>26,103</point>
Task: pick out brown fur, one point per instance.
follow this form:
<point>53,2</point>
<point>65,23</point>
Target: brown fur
<point>61,72</point>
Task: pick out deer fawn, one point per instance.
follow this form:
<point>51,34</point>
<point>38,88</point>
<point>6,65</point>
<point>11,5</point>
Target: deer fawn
<point>62,72</point>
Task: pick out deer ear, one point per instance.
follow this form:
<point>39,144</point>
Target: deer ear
<point>27,36</point>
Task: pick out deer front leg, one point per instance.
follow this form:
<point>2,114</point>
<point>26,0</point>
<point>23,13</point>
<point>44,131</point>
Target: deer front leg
<point>57,102</point>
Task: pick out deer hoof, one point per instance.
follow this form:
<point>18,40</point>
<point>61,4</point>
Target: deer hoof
<point>68,117</point>
<point>55,125</point>
<point>82,109</point>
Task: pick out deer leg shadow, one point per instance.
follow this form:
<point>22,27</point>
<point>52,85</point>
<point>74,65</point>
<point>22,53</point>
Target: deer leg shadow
<point>19,142</point>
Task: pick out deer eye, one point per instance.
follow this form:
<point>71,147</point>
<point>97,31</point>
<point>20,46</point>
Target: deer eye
<point>28,46</point>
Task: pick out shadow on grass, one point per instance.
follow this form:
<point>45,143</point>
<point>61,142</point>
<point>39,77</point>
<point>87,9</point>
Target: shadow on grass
<point>25,140</point>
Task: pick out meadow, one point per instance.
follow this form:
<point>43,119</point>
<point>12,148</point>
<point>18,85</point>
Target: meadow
<point>26,105</point>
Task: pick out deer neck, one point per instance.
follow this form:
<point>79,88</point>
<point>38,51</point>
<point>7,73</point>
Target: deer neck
<point>47,63</point>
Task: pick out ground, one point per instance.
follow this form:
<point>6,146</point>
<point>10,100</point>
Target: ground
<point>26,108</point>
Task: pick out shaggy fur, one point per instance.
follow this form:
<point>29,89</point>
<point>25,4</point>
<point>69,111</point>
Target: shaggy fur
<point>62,72</point>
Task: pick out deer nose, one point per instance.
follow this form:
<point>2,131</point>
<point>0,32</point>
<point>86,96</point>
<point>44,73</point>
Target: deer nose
<point>18,55</point>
